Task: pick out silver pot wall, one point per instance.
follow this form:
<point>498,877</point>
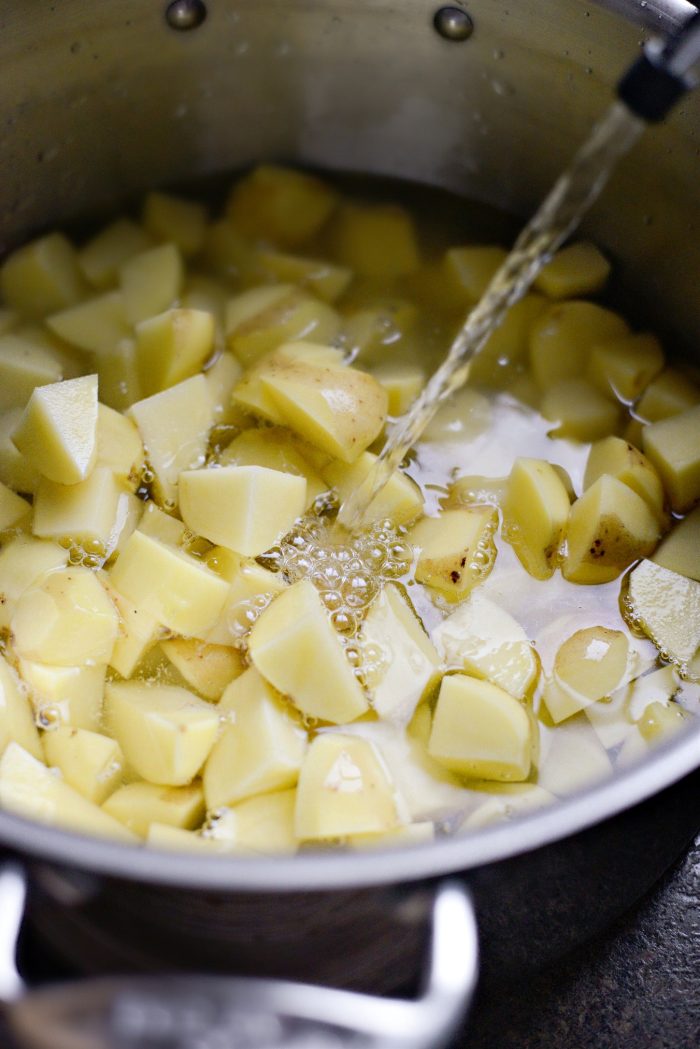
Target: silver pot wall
<point>100,101</point>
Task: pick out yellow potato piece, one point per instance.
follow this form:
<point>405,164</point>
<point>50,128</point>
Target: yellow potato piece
<point>344,788</point>
<point>579,410</point>
<point>260,750</point>
<point>90,514</point>
<point>535,513</point>
<point>281,205</point>
<point>65,619</point>
<point>261,319</point>
<point>513,800</point>
<point>28,788</point>
<point>250,585</point>
<point>119,446</point>
<point>573,758</point>
<point>370,332</point>
<point>660,721</point>
<point>562,338</point>
<point>408,662</point>
<point>165,732</point>
<point>65,695</point>
<point>673,446</point>
<point>174,426</point>
<point>42,276</point>
<point>402,382</point>
<point>468,271</point>
<point>625,366</point>
<point>22,561</point>
<point>172,346</point>
<point>411,834</point>
<point>376,241</point>
<point>13,508</point>
<point>16,714</point>
<point>15,471</point>
<point>482,639</point>
<point>176,839</point>
<point>456,549</point>
<point>117,371</point>
<point>161,526</point>
<point>480,731</point>
<point>588,666</point>
<point>669,394</point>
<point>23,366</point>
<point>102,256</point>
<point>463,416</point>
<point>264,824</point>
<point>245,508</point>
<point>228,255</point>
<point>504,354</point>
<point>667,607</point>
<point>622,460</point>
<point>97,325</point>
<point>90,763</point>
<point>138,633</point>
<point>151,282</point>
<point>249,394</point>
<point>138,805</point>
<point>400,499</point>
<point>578,269</point>
<point>57,433</point>
<point>208,669</point>
<point>680,550</point>
<point>295,648</point>
<point>276,449</point>
<point>176,589</point>
<point>322,278</point>
<point>474,489</point>
<point>221,378</point>
<point>169,218</point>
<point>610,527</point>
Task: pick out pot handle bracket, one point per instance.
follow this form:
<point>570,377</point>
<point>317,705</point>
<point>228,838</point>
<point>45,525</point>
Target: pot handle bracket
<point>219,1012</point>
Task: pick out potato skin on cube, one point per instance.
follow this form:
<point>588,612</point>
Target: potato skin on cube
<point>480,731</point>
<point>281,205</point>
<point>578,269</point>
<point>588,667</point>
<point>579,411</point>
<point>561,339</point>
<point>456,549</point>
<point>400,499</point>
<point>375,240</point>
<point>624,367</point>
<point>535,513</point>
<point>622,460</point>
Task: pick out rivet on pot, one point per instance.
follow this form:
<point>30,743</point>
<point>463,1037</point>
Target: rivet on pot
<point>453,23</point>
<point>185,14</point>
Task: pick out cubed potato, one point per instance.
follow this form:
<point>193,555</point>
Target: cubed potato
<point>208,669</point>
<point>209,295</point>
<point>344,788</point>
<point>480,731</point>
<point>119,445</point>
<point>97,325</point>
<point>263,318</point>
<point>580,411</point>
<point>151,282</point>
<point>295,648</point>
<point>468,271</point>
<point>578,269</point>
<point>670,393</point>
<point>402,382</point>
<point>260,750</point>
<point>276,449</point>
<point>473,489</point>
<point>462,417</point>
<point>372,332</point>
<point>23,366</point>
<point>408,665</point>
<point>610,527</point>
<point>589,666</point>
<point>67,619</point>
<point>178,590</point>
<point>22,561</point>
<point>504,354</point>
<point>138,805</point>
<point>673,446</point>
<point>89,514</point>
<point>562,338</point>
<point>174,219</point>
<point>16,713</point>
<point>377,241</point>
<point>573,758</point>
<point>14,510</point>
<point>400,499</point>
<point>103,255</point>
<point>339,410</point>
<point>42,276</point>
<point>264,824</point>
<point>165,732</point>
<point>510,801</point>
<point>667,607</point>
<point>58,429</point>
<point>249,394</point>
<point>280,205</point>
<point>680,550</point>
<point>623,367</point>
<point>622,460</point>
<point>65,695</point>
<point>138,633</point>
<point>221,378</point>
<point>456,549</point>
<point>172,346</point>
<point>482,639</point>
<point>174,426</point>
<point>660,720</point>
<point>15,471</point>
<point>90,763</point>
<point>28,788</point>
<point>322,278</point>
<point>245,508</point>
<point>230,256</point>
<point>117,371</point>
<point>250,586</point>
<point>159,525</point>
<point>535,514</point>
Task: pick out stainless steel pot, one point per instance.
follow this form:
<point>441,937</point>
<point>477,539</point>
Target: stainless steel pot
<point>102,101</point>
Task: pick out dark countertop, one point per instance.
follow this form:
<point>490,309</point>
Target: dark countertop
<point>637,987</point>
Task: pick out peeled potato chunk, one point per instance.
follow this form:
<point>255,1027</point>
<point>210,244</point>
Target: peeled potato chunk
<point>680,549</point>
<point>402,382</point>
<point>261,824</point>
<point>673,446</point>
<point>578,269</point>
<point>58,430</point>
<point>589,666</point>
<point>102,256</point>
<point>28,788</point>
<point>572,758</point>
<point>23,366</point>
<point>261,319</point>
<point>261,749</point>
<point>15,471</point>
<point>485,641</point>
<point>622,460</point>
<point>319,276</point>
<point>375,240</point>
<point>250,585</point>
<point>16,714</point>
<point>456,549</point>
<point>276,449</point>
<point>208,669</point>
<point>296,649</point>
<point>22,561</point>
<point>280,205</point>
<point>90,513</point>
<point>410,834</point>
<point>90,763</point>
<point>344,788</point>
<point>407,663</point>
<point>610,526</point>
<point>172,346</point>
<point>624,366</point>
<point>119,446</point>
<point>579,410</point>
<point>400,499</point>
<point>670,393</point>
<point>42,276</point>
<point>468,271</point>
<point>98,325</point>
<point>165,732</point>
<point>174,219</point>
<point>562,338</point>
<point>13,508</point>
<point>177,839</point>
<point>535,513</point>
<point>245,508</point>
<point>667,606</point>
<point>138,805</point>
<point>480,731</point>
<point>65,695</point>
<point>66,619</point>
<point>161,526</point>
<point>661,720</point>
<point>151,282</point>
